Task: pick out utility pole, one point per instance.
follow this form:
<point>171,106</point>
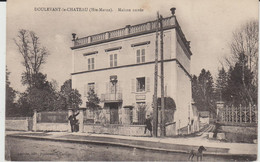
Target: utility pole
<point>162,83</point>
<point>155,106</point>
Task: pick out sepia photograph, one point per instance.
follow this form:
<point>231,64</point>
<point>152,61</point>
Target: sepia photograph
<point>139,80</point>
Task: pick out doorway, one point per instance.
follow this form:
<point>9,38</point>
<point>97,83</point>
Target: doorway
<point>114,116</point>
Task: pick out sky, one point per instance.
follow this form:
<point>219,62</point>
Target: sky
<point>207,24</point>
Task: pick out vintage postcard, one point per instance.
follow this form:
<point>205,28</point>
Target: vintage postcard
<point>140,80</point>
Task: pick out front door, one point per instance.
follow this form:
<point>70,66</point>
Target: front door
<point>114,118</point>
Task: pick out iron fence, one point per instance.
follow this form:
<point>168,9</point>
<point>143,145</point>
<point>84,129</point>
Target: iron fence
<point>241,114</point>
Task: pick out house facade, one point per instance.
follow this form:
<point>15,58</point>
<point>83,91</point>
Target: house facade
<point>119,65</point>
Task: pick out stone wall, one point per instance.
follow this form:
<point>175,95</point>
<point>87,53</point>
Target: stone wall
<point>238,129</point>
<point>239,133</point>
<point>116,129</point>
<point>128,130</point>
<point>56,127</point>
<point>18,123</point>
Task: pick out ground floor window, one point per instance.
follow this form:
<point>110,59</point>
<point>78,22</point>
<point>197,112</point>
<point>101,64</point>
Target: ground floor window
<point>140,114</point>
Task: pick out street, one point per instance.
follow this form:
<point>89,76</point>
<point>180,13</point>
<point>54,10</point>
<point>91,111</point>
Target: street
<point>35,150</point>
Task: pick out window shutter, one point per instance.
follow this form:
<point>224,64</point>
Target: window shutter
<point>138,57</point>
<point>143,55</point>
<point>147,84</point>
<point>85,90</point>
<point>133,85</point>
<point>137,87</point>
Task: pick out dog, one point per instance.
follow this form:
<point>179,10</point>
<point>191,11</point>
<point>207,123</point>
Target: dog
<point>198,153</point>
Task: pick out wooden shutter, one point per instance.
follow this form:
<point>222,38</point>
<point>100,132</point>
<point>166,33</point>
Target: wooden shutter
<point>133,85</point>
<point>147,84</point>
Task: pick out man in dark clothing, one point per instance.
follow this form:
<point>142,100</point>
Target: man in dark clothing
<point>148,124</point>
<point>73,121</point>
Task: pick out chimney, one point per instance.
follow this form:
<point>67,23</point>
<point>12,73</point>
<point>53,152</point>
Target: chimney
<point>173,10</point>
<point>73,36</point>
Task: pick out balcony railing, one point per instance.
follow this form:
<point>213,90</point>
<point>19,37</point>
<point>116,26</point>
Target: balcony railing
<point>111,97</point>
<point>124,32</point>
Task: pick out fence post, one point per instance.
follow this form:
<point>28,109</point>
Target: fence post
<point>250,113</point>
<point>34,120</point>
<point>245,114</point>
<point>81,120</point>
<point>223,115</point>
<point>240,113</point>
<point>236,114</point>
<point>232,113</point>
<point>229,114</point>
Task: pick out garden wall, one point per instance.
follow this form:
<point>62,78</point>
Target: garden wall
<point>18,123</point>
<point>239,133</point>
<point>55,127</point>
<point>129,130</point>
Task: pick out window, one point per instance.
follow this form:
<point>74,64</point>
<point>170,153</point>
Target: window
<point>140,55</point>
<point>91,63</point>
<point>91,86</point>
<point>140,86</point>
<point>113,60</point>
<point>141,111</point>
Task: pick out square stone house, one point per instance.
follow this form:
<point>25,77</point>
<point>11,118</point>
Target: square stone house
<point>120,64</point>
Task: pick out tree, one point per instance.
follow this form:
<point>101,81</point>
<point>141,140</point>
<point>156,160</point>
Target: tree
<point>93,100</point>
<point>68,97</point>
<point>170,108</point>
<point>10,105</point>
<point>244,49</point>
<point>245,41</point>
<point>40,96</point>
<point>34,55</point>
<point>240,89</point>
<point>93,103</point>
<point>221,84</point>
<point>203,91</point>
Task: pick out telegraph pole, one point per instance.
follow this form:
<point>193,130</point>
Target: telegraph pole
<point>155,106</point>
<point>162,82</point>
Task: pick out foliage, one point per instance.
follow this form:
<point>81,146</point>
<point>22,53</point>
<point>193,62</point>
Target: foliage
<point>203,91</point>
<point>245,42</point>
<point>169,103</point>
<point>243,65</point>
<point>40,96</point>
<point>11,107</point>
<point>34,55</point>
<point>92,100</point>
<point>24,105</point>
<point>240,89</point>
<point>221,84</point>
<point>68,97</point>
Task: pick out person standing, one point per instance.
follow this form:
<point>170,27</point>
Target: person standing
<point>73,121</point>
<point>148,124</point>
